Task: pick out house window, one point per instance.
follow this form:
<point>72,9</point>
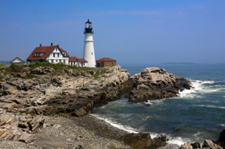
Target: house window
<point>63,61</point>
<point>107,63</point>
<point>58,54</point>
<point>38,54</point>
<point>53,54</point>
<point>56,60</point>
<point>52,60</point>
<point>56,49</point>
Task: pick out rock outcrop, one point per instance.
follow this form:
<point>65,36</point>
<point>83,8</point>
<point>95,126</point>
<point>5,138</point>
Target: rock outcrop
<point>208,144</point>
<point>143,140</point>
<point>19,127</point>
<point>156,83</point>
<point>66,91</point>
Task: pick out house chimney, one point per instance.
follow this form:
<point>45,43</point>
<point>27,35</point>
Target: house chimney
<point>52,44</point>
<point>58,45</point>
<point>40,45</point>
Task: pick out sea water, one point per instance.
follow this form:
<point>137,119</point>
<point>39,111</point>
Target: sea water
<point>193,116</point>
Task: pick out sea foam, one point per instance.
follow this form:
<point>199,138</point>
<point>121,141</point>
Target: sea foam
<point>210,106</point>
<point>200,88</point>
<point>116,125</point>
<point>172,140</point>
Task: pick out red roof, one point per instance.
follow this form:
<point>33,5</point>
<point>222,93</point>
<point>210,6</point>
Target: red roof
<point>81,60</point>
<point>67,55</point>
<point>46,50</point>
<point>106,59</point>
<point>73,59</point>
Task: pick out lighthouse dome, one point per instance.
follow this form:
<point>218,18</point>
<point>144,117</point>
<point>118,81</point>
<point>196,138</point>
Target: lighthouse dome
<point>88,22</point>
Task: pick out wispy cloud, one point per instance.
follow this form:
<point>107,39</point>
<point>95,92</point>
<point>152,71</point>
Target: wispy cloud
<point>113,12</point>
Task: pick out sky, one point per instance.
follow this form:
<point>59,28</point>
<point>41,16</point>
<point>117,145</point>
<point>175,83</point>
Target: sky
<point>130,31</point>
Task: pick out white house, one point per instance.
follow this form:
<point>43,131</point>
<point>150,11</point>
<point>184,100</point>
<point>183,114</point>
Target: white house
<point>18,61</point>
<point>54,54</point>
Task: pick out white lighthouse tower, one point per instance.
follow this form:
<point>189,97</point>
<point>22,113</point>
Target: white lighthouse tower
<point>89,53</point>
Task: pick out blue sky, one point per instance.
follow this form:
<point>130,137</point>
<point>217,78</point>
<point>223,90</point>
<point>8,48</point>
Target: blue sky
<point>130,31</point>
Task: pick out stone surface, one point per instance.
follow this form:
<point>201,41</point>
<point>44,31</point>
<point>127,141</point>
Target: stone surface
<point>137,141</point>
<point>195,145</point>
<point>209,144</point>
<point>156,83</point>
<point>186,146</point>
<point>222,136</point>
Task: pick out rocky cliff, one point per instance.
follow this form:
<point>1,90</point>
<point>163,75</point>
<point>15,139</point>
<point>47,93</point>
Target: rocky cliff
<point>27,93</point>
<point>156,83</point>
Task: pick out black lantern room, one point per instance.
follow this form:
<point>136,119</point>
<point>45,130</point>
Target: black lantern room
<point>88,27</point>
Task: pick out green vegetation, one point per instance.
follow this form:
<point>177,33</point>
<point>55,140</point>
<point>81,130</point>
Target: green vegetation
<point>30,76</point>
<point>13,68</point>
<point>2,66</point>
<point>99,72</point>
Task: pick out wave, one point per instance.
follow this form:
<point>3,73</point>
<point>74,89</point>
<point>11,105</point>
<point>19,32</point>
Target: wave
<point>150,102</point>
<point>200,88</point>
<point>209,106</point>
<point>223,125</point>
<point>172,140</point>
<point>116,125</point>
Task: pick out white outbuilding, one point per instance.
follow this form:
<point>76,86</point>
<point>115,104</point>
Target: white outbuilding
<point>18,61</point>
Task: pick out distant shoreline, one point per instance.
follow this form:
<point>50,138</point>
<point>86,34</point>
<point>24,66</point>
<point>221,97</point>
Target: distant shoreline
<point>178,63</point>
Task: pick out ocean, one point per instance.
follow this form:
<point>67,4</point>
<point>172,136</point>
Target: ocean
<point>193,116</point>
<point>5,62</point>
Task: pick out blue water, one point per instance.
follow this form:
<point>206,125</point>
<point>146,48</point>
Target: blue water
<point>5,62</point>
<point>195,115</point>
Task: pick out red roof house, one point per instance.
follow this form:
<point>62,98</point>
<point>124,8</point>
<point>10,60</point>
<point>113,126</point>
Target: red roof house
<point>54,54</point>
<point>106,62</point>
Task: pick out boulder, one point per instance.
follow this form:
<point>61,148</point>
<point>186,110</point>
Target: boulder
<point>6,119</point>
<point>156,83</point>
<point>222,136</point>
<point>6,89</point>
<point>36,123</point>
<point>186,146</point>
<point>160,141</point>
<point>137,141</point>
<point>26,138</point>
<point>57,81</point>
<point>209,144</point>
<point>195,145</point>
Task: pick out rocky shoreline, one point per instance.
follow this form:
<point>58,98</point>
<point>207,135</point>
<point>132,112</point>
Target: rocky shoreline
<point>43,107</point>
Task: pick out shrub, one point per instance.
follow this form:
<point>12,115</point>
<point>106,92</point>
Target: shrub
<point>16,68</point>
<point>30,76</point>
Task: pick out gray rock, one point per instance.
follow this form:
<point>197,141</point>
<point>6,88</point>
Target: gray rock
<point>186,146</point>
<point>210,145</point>
<point>27,138</point>
<point>156,83</point>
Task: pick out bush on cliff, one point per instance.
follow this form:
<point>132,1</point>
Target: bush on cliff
<point>99,72</point>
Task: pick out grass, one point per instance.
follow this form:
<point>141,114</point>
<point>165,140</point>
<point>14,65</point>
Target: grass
<point>13,68</point>
<point>99,72</point>
<point>2,66</point>
<point>30,76</point>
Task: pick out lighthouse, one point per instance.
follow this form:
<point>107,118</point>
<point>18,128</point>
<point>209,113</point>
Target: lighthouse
<point>89,53</point>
